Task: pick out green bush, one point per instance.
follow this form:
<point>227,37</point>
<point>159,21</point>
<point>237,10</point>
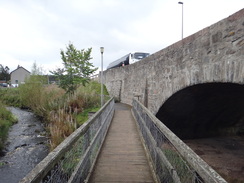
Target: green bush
<point>6,121</point>
<point>10,97</point>
<point>92,94</point>
<point>38,97</point>
<point>30,94</point>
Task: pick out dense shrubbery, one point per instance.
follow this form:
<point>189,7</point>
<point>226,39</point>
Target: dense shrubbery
<point>65,108</point>
<point>38,97</point>
<point>71,111</point>
<point>61,112</point>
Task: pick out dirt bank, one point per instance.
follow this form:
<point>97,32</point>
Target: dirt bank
<point>223,154</point>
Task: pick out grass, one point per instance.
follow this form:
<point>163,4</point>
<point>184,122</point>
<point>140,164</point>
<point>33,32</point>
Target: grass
<point>62,113</point>
<point>10,97</point>
<point>84,116</point>
<point>2,164</point>
<point>68,112</point>
<point>179,165</point>
<point>6,121</point>
<point>73,112</point>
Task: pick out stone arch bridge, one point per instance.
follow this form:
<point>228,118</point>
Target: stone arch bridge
<point>198,80</point>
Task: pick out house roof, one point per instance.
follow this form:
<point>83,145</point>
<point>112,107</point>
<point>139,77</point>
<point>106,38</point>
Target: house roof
<point>19,68</point>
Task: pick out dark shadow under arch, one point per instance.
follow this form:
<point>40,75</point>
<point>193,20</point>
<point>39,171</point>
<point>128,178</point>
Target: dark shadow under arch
<point>205,110</point>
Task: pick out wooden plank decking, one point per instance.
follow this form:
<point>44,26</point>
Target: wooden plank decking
<point>122,158</point>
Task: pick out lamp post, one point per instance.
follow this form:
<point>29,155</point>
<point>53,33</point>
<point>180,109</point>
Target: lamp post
<point>101,50</point>
<point>182,19</point>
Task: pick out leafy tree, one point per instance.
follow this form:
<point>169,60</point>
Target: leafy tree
<point>4,73</point>
<point>37,75</point>
<point>36,70</point>
<point>77,68</point>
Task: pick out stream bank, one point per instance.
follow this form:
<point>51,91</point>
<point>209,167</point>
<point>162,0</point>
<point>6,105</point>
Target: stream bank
<point>25,147</point>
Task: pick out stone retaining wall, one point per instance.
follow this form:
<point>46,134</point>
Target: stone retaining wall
<point>214,54</point>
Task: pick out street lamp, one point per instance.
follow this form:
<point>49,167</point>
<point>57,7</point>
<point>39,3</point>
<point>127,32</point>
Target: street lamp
<point>101,50</point>
<point>182,19</point>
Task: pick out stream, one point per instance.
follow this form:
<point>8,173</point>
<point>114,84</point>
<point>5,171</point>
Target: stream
<point>25,147</point>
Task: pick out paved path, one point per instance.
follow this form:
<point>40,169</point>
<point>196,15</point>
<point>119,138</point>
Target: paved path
<point>122,158</point>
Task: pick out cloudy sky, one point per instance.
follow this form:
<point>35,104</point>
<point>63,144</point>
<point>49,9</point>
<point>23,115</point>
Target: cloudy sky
<point>36,30</point>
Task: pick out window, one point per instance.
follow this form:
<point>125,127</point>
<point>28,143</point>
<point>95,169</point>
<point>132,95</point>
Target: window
<point>140,55</point>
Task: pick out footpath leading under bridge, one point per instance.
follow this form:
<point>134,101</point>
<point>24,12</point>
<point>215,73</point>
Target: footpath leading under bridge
<point>121,157</point>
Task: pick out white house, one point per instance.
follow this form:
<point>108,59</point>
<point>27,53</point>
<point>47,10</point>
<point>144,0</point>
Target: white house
<point>19,75</point>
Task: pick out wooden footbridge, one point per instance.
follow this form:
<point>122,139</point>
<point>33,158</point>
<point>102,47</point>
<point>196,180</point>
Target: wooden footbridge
<point>123,144</point>
<point>122,158</point>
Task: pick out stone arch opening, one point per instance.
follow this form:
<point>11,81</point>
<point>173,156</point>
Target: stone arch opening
<point>205,110</point>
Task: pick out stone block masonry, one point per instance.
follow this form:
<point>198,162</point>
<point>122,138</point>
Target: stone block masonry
<point>214,54</point>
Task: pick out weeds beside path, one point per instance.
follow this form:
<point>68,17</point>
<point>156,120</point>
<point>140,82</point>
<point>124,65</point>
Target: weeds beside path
<point>62,113</point>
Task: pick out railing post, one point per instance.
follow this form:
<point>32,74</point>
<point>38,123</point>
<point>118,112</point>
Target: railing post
<point>74,158</point>
<point>181,163</point>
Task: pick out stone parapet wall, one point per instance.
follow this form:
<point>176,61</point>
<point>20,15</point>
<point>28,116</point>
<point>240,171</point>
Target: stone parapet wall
<point>214,54</point>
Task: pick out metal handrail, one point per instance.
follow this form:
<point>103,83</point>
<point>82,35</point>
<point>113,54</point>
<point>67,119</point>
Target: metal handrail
<point>172,159</point>
<point>82,145</point>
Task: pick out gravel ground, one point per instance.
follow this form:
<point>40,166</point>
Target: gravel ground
<point>223,154</point>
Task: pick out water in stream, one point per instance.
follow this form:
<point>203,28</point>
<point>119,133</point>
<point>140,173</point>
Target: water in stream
<point>25,147</point>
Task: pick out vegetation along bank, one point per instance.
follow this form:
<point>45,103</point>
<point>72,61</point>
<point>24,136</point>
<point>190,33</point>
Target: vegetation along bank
<point>63,106</point>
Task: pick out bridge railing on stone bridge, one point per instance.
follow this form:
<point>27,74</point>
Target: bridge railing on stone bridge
<point>74,158</point>
<point>172,159</point>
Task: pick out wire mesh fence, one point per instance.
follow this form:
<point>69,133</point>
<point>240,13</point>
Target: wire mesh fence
<point>74,158</point>
<point>173,160</point>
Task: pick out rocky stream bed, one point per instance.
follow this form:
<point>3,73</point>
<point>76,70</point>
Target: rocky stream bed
<point>25,147</point>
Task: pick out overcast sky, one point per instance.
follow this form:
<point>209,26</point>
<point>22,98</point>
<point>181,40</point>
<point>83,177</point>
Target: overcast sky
<point>36,30</point>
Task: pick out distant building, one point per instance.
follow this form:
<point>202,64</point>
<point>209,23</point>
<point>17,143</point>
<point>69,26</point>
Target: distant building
<point>19,75</point>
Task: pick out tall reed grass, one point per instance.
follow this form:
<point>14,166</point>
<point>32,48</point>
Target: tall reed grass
<point>39,97</point>
<point>64,119</point>
<point>62,113</point>
<point>59,110</point>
